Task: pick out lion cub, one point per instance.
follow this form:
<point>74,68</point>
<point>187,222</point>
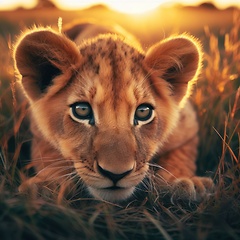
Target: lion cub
<point>103,112</point>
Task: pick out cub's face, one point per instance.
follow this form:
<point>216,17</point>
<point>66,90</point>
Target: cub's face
<point>105,106</point>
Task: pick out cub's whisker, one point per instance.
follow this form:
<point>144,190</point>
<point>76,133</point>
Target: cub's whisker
<point>162,168</point>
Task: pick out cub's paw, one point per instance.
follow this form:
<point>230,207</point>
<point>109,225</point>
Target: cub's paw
<point>192,189</point>
<point>29,188</point>
<point>34,188</point>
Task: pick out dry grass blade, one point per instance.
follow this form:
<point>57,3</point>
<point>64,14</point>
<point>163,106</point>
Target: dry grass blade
<point>158,225</point>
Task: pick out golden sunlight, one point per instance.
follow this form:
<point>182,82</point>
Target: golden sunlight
<point>136,6</point>
<point>126,6</point>
<point>12,4</point>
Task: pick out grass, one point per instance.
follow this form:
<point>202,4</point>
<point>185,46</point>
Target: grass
<point>152,216</point>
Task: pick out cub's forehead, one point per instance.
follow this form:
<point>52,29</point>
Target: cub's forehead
<point>110,66</point>
<point>104,44</point>
<point>112,52</point>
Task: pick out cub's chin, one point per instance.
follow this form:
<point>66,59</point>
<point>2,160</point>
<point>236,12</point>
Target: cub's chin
<point>112,194</point>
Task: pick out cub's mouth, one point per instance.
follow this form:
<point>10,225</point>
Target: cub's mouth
<point>112,194</point>
<point>113,188</point>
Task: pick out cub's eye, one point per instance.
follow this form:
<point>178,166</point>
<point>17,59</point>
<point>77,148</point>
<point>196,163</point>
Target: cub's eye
<point>143,114</point>
<point>82,111</point>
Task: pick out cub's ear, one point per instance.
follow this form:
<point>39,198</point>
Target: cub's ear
<point>176,60</point>
<point>40,56</point>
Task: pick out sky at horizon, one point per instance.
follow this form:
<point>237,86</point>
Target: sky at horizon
<point>126,6</point>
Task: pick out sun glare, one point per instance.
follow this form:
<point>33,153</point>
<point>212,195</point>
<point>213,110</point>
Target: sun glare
<point>126,6</point>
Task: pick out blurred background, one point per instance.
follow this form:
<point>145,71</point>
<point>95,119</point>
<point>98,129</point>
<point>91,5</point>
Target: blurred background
<point>149,20</point>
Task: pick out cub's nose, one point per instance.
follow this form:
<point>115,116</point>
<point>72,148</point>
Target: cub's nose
<point>112,176</point>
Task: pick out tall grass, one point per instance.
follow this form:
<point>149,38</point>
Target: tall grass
<point>152,216</point>
<point>218,100</point>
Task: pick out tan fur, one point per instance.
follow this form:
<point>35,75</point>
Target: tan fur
<point>114,75</point>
